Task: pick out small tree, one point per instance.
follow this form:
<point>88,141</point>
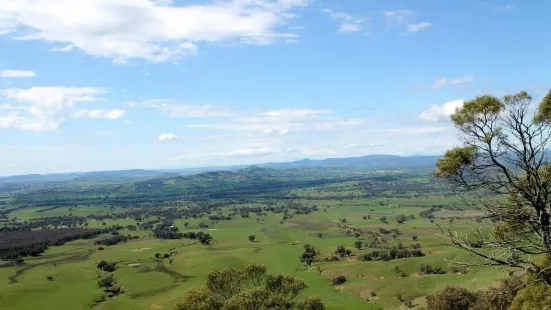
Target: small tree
<point>205,239</point>
<point>505,154</point>
<point>252,238</point>
<point>358,244</point>
<point>338,280</point>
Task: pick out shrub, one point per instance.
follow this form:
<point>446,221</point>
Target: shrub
<point>428,269</point>
<point>451,298</point>
<point>338,280</point>
<point>105,266</point>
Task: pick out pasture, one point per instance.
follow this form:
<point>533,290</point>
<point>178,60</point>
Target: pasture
<point>152,283</point>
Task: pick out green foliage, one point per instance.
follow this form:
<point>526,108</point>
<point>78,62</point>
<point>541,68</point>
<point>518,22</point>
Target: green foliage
<point>451,298</point>
<point>544,110</point>
<point>200,299</point>
<point>454,161</point>
<point>480,107</point>
<point>534,296</point>
<point>249,289</point>
<point>310,303</point>
<point>105,266</point>
<point>255,273</point>
<point>225,282</point>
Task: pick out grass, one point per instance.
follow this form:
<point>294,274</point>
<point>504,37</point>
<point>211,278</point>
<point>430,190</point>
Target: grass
<point>159,285</point>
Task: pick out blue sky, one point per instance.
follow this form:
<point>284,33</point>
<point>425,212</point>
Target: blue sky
<point>118,84</point>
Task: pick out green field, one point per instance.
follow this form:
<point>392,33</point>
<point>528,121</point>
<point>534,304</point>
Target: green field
<point>157,284</point>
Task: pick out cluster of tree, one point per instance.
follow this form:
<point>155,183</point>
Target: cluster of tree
<point>251,288</point>
<point>110,286</point>
<point>342,251</point>
<point>309,255</point>
<point>394,232</point>
<point>108,267</point>
<point>14,244</point>
<point>116,239</point>
<point>428,269</point>
<point>393,253</point>
<point>400,219</point>
<point>204,238</point>
<point>167,231</point>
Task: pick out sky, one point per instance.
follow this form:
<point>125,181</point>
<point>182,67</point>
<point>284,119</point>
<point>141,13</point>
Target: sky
<point>93,85</point>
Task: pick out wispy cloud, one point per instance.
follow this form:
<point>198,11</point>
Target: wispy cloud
<point>99,113</point>
<point>283,121</point>
<point>169,137</point>
<point>177,109</point>
<point>506,7</point>
<point>399,17</point>
<point>419,27</point>
<point>347,22</point>
<point>444,81</point>
<point>406,17</point>
<point>10,73</point>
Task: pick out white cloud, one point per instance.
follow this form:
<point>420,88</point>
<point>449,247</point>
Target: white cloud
<point>441,113</point>
<point>168,137</point>
<point>399,17</point>
<point>9,73</point>
<point>283,121</point>
<point>444,81</point>
<point>143,29</point>
<point>506,7</point>
<point>348,22</point>
<point>42,108</point>
<point>253,152</point>
<point>236,153</point>
<point>175,109</point>
<point>98,113</point>
<point>419,26</point>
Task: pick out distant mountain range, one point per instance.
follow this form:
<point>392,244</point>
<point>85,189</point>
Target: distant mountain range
<point>369,162</point>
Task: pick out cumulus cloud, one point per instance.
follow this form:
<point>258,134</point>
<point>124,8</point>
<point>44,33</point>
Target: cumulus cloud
<point>441,113</point>
<point>347,22</point>
<point>155,31</point>
<point>419,26</point>
<point>444,81</point>
<point>10,73</point>
<point>42,108</point>
<point>168,137</point>
<point>98,113</point>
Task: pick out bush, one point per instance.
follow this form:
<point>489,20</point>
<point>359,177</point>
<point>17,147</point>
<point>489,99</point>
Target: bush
<point>112,240</point>
<point>338,280</point>
<point>428,269</point>
<point>105,266</point>
<point>451,298</point>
